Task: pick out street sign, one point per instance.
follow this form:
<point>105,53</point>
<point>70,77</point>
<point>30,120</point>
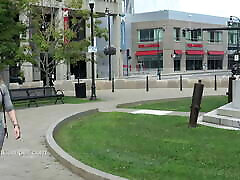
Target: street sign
<point>236,57</point>
<point>92,49</point>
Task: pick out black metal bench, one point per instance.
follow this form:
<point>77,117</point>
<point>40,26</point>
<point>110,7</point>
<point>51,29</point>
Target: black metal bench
<point>33,94</point>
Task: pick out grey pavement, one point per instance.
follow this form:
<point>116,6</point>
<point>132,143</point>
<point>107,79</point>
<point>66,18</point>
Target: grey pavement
<point>28,159</point>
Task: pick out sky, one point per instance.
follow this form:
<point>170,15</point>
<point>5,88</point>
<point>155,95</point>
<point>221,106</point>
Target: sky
<point>209,7</point>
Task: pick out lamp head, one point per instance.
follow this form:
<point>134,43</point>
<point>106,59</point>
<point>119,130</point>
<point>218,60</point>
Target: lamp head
<point>229,23</point>
<point>107,11</point>
<point>91,3</point>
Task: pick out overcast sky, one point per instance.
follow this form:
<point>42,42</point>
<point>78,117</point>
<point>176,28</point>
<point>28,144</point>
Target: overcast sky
<point>209,7</point>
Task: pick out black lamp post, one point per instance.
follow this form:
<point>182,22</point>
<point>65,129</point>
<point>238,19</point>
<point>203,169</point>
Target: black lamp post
<point>107,13</point>
<point>93,88</point>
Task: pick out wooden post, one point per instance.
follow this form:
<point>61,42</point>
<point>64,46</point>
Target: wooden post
<point>196,102</point>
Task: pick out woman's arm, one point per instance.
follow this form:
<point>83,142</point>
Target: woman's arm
<point>10,110</point>
<point>12,116</point>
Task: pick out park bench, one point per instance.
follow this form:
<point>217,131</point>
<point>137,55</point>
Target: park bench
<point>34,94</point>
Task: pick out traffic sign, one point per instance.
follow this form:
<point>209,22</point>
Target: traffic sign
<point>92,49</point>
<point>236,57</point>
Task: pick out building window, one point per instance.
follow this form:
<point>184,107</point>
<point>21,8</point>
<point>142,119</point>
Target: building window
<point>232,38</point>
<point>231,61</point>
<point>176,34</point>
<point>194,35</point>
<point>151,61</point>
<point>145,35</point>
<point>215,62</point>
<point>215,36</point>
<point>194,62</point>
<point>177,62</point>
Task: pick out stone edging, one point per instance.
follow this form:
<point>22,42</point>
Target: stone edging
<point>67,160</point>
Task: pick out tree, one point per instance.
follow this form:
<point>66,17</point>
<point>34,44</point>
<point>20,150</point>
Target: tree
<point>52,45</point>
<point>10,30</point>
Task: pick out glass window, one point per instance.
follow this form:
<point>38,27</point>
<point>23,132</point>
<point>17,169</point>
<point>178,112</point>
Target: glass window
<point>232,37</point>
<point>194,35</point>
<point>215,62</point>
<point>194,62</point>
<point>145,35</point>
<point>176,34</point>
<point>215,36</point>
<point>211,36</point>
<point>151,61</point>
<point>158,34</point>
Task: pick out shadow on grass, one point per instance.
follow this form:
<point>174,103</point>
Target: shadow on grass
<point>209,103</point>
<point>51,101</point>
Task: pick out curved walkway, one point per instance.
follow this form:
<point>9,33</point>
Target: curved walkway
<point>29,159</point>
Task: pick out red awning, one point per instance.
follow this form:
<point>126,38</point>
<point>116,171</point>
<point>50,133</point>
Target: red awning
<point>146,53</point>
<point>178,51</point>
<point>216,52</point>
<point>195,52</point>
<point>194,45</point>
<point>148,45</point>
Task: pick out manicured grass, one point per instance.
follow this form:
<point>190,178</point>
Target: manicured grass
<point>152,147</point>
<point>49,101</point>
<point>182,104</point>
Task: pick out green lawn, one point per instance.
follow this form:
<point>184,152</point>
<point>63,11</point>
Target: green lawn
<point>152,147</point>
<point>49,101</point>
<point>182,104</point>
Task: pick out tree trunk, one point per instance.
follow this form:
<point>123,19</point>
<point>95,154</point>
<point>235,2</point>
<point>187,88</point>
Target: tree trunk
<point>47,70</point>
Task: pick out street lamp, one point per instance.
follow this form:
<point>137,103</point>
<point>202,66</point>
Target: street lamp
<point>107,13</point>
<point>93,88</point>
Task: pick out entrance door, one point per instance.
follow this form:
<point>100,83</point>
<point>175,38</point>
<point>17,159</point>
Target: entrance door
<point>79,70</point>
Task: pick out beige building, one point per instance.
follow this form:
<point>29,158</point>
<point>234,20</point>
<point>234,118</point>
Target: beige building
<point>165,40</point>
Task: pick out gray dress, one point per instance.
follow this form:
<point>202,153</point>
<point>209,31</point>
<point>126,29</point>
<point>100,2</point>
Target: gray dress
<point>8,107</point>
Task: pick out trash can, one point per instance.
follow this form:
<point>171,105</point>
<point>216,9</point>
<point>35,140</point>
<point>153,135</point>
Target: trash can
<point>80,90</point>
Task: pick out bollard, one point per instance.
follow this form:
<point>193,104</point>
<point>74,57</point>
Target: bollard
<point>112,84</point>
<point>159,74</point>
<point>147,88</point>
<point>196,102</point>
<point>181,83</point>
<point>229,93</point>
<point>215,83</point>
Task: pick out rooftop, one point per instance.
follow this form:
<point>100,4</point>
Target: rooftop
<point>177,15</point>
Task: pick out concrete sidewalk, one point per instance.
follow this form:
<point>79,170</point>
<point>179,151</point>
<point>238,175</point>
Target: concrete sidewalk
<point>29,159</point>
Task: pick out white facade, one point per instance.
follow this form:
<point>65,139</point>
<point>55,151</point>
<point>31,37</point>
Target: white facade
<point>63,71</point>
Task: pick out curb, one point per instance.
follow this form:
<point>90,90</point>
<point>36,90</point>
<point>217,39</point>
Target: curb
<point>67,160</point>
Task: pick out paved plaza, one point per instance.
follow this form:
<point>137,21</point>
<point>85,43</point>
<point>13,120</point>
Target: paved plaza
<point>29,159</point>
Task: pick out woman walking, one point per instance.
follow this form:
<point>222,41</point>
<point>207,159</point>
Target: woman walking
<point>7,106</point>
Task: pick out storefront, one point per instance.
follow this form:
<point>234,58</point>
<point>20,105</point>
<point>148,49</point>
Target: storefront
<point>215,60</point>
<point>150,59</point>
<point>194,59</point>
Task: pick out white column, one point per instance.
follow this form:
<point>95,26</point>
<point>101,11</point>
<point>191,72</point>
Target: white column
<point>117,61</point>
<point>26,67</point>
<point>61,69</point>
<point>28,71</point>
<point>236,94</point>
